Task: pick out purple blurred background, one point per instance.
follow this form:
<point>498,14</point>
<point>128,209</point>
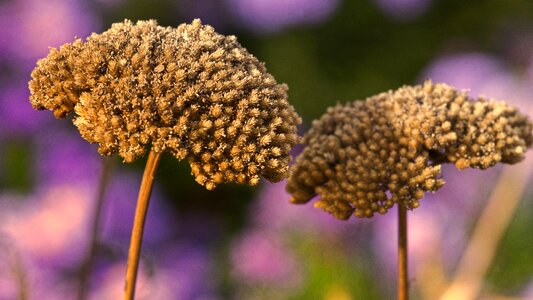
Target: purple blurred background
<point>251,243</point>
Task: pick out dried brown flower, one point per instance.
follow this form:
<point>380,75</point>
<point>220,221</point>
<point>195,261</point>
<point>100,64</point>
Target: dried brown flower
<point>365,156</point>
<point>188,90</point>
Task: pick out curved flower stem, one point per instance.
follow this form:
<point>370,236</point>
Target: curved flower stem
<point>138,223</point>
<point>403,286</point>
<point>85,270</point>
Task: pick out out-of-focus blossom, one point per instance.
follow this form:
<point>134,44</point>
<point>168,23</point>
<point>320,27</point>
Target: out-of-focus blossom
<point>212,12</point>
<point>482,74</point>
<point>50,228</point>
<point>23,279</point>
<point>465,70</point>
<point>432,228</point>
<point>274,15</point>
<point>62,158</point>
<point>48,234</point>
<point>274,211</point>
<point>29,27</point>
<point>16,115</point>
<point>439,222</point>
<point>527,293</point>
<point>12,277</point>
<point>121,199</point>
<point>259,257</point>
<point>403,10</point>
<point>149,286</point>
<point>110,3</point>
<point>264,258</point>
<point>175,272</point>
<point>189,268</point>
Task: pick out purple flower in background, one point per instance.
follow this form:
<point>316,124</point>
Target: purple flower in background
<point>211,12</point>
<point>189,268</point>
<point>11,269</point>
<point>62,157</point>
<point>482,74</point>
<point>173,272</point>
<point>110,3</point>
<point>49,229</point>
<point>49,234</point>
<point>431,227</point>
<point>119,210</point>
<point>472,71</point>
<point>22,279</point>
<point>527,293</point>
<point>16,114</point>
<point>438,224</point>
<point>263,255</point>
<point>111,284</point>
<point>149,286</point>
<point>274,15</point>
<point>273,211</point>
<point>403,10</point>
<point>259,257</point>
<point>29,27</point>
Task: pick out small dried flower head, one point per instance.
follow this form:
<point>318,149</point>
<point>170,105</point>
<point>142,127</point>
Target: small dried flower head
<point>365,156</point>
<point>189,90</point>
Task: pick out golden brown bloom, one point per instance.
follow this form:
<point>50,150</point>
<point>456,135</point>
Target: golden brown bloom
<point>364,156</point>
<point>188,90</point>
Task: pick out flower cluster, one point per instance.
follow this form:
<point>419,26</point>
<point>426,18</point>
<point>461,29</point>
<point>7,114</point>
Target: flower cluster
<point>187,90</point>
<point>364,156</point>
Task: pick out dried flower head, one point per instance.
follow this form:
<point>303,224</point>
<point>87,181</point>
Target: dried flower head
<point>365,156</point>
<point>188,90</point>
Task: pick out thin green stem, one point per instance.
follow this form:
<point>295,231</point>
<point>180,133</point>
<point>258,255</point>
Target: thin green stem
<point>143,201</point>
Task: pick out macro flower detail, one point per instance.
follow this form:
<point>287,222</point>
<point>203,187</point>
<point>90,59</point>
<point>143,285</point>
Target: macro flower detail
<point>363,157</point>
<point>187,90</point>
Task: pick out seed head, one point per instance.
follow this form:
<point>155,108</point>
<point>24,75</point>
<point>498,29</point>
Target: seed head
<point>188,90</point>
<point>364,156</point>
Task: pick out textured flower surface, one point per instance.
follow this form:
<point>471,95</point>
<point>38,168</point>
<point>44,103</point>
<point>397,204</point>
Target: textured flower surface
<point>364,156</point>
<point>187,90</point>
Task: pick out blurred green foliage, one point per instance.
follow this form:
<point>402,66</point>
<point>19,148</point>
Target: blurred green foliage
<point>513,268</point>
<point>16,163</point>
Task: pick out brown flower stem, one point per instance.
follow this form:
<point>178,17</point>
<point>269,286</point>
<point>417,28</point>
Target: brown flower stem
<point>86,267</point>
<point>138,223</point>
<point>403,286</point>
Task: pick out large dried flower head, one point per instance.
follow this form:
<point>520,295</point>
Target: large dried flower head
<point>189,90</point>
<point>365,156</point>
